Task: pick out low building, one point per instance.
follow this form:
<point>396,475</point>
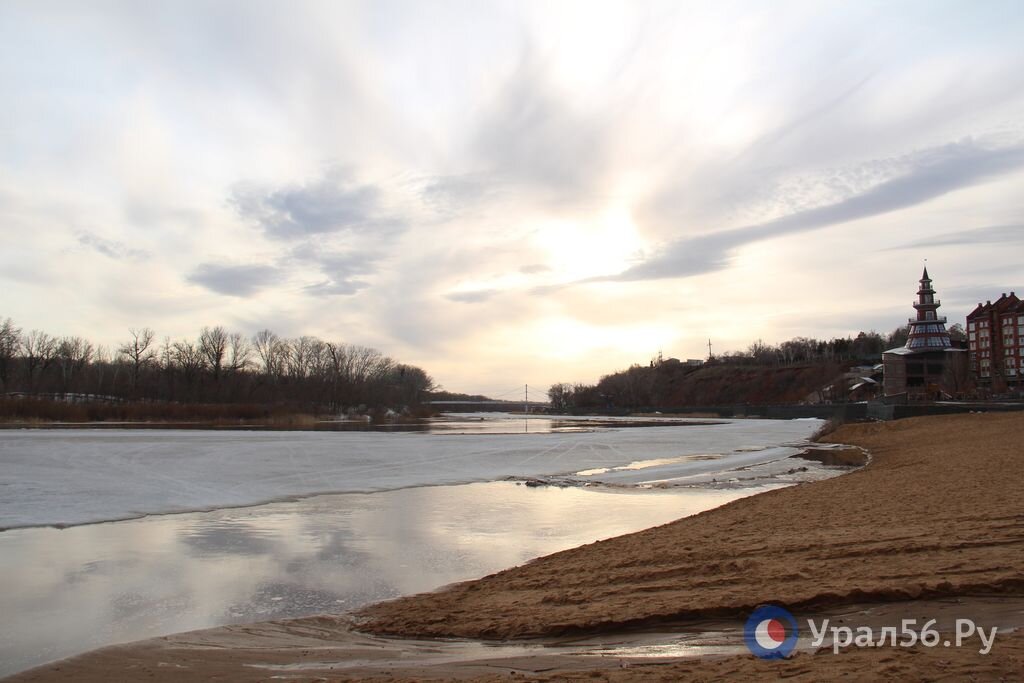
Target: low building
<point>927,366</point>
<point>995,337</point>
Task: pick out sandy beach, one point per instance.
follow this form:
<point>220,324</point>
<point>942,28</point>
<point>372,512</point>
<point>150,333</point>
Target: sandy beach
<point>937,515</point>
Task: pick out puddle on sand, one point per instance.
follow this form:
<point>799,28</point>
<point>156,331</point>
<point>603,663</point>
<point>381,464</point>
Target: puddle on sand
<point>720,638</point>
<point>372,653</point>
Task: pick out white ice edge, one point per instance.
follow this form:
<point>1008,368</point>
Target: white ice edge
<point>79,476</point>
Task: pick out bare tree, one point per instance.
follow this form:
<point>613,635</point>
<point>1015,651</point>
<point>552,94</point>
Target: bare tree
<point>166,357</point>
<point>213,344</point>
<point>215,367</point>
<point>411,383</point>
<point>560,396</point>
<point>318,359</point>
<point>39,350</point>
<point>73,353</point>
<point>190,359</point>
<point>9,342</point>
<point>139,353</point>
<point>301,357</point>
<point>898,337</point>
<point>100,366</point>
<point>271,352</point>
<point>239,353</point>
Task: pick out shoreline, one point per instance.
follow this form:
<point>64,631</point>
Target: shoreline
<point>808,547</point>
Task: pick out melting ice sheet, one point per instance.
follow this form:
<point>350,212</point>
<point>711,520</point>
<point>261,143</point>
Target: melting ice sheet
<point>76,476</point>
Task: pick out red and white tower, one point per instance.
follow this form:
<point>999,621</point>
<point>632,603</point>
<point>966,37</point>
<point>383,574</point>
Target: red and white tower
<point>928,331</point>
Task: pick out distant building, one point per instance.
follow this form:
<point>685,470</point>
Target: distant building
<point>695,362</point>
<point>995,334</point>
<point>928,366</point>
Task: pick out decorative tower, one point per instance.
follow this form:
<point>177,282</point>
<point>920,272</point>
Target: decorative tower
<point>928,331</point>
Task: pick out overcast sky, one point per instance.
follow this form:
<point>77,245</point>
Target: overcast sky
<point>507,192</point>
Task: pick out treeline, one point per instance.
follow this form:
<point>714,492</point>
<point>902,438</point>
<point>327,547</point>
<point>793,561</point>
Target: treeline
<point>866,346</point>
<point>659,384</point>
<point>217,367</point>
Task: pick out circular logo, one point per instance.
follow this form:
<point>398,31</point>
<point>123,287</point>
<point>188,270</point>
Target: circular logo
<point>770,632</point>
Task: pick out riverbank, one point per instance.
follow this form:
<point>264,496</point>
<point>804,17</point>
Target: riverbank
<point>937,514</point>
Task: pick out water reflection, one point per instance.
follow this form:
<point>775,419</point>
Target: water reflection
<point>454,423</point>
<point>66,591</point>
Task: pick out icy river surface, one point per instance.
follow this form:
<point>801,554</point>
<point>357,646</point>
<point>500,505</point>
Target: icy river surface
<point>405,513</point>
<point>75,476</point>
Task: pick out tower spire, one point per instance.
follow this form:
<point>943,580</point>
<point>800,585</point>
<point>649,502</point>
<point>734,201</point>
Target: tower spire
<point>927,330</point>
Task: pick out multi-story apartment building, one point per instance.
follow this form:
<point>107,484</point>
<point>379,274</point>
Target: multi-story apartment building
<point>995,337</point>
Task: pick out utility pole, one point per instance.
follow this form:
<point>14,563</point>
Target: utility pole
<point>709,350</point>
<point>526,399</point>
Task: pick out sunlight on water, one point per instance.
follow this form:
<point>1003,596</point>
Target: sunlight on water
<point>644,464</point>
<point>66,591</point>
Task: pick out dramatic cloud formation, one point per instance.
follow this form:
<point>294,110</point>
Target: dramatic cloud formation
<point>507,193</point>
<point>932,173</point>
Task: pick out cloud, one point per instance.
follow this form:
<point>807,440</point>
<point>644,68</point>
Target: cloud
<point>992,234</point>
<point>331,204</point>
<point>234,280</point>
<point>342,287</point>
<point>969,295</point>
<point>473,297</point>
<point>534,268</point>
<point>342,268</point>
<point>931,173</point>
<point>111,248</point>
<point>532,136</point>
<point>345,264</point>
<point>452,194</point>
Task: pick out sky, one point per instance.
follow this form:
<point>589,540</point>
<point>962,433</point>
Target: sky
<point>507,192</point>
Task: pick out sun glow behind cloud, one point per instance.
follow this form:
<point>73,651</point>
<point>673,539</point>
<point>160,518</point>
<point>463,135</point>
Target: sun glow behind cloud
<point>586,247</point>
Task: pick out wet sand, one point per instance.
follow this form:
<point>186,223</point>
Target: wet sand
<point>937,513</point>
<point>327,649</point>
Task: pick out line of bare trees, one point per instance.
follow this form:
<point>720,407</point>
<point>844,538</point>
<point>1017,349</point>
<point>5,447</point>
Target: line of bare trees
<point>650,385</point>
<point>218,366</point>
